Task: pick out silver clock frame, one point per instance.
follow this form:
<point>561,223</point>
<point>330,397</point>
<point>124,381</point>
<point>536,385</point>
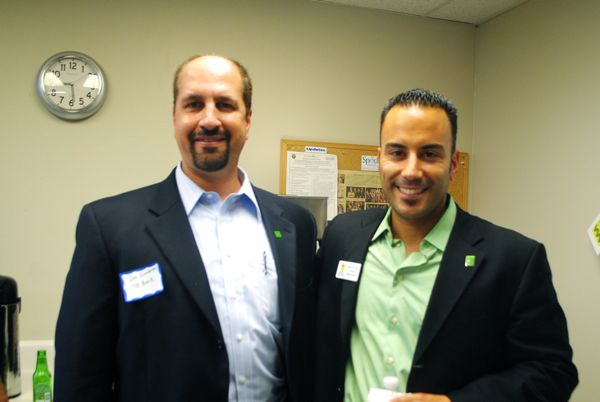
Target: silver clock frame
<point>72,114</point>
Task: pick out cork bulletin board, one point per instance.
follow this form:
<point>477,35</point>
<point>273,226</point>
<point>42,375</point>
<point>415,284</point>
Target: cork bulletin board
<point>349,158</point>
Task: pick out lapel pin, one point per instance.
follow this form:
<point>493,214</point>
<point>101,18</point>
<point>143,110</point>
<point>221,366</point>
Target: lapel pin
<point>470,261</point>
<point>277,234</point>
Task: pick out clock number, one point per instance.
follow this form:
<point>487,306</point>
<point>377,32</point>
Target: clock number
<point>53,92</point>
<point>71,103</point>
<point>62,98</point>
<point>63,67</point>
<point>73,65</point>
<point>89,95</point>
<point>81,103</point>
<point>57,73</point>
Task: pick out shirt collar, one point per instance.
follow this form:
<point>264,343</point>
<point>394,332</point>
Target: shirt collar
<point>438,236</point>
<point>190,192</point>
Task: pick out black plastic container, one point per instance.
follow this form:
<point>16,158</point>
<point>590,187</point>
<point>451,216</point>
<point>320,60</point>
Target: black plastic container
<point>10,307</point>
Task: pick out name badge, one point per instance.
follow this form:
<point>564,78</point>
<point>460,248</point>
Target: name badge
<point>348,270</point>
<point>142,282</point>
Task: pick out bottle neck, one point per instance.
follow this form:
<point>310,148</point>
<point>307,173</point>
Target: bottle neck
<point>42,363</point>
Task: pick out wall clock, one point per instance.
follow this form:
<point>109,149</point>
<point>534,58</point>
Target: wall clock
<point>71,85</point>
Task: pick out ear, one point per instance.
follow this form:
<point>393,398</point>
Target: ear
<point>248,122</point>
<point>454,162</point>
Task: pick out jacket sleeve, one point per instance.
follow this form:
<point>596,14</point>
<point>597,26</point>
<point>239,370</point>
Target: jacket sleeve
<point>538,356</point>
<point>86,330</point>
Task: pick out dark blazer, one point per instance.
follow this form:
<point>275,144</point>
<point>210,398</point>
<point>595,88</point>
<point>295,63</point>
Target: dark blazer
<point>492,332</point>
<point>169,347</point>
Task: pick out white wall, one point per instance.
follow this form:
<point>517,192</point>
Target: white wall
<point>535,153</point>
<point>321,72</point>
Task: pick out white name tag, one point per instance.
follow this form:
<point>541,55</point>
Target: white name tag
<point>348,270</point>
<point>141,283</point>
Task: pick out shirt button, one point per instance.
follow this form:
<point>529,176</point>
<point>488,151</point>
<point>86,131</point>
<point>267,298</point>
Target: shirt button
<point>394,320</point>
<point>239,337</point>
<point>389,360</point>
<point>244,380</point>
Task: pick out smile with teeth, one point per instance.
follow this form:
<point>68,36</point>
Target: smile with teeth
<point>410,190</point>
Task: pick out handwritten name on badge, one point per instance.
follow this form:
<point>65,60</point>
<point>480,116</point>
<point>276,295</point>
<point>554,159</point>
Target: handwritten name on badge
<point>348,270</point>
<point>142,282</point>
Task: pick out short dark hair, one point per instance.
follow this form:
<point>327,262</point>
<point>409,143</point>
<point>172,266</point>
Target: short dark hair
<point>423,97</point>
<point>246,80</point>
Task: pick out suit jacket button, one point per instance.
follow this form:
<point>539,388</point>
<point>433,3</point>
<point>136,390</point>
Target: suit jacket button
<point>220,344</point>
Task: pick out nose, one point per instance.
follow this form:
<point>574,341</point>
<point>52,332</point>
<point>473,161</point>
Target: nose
<point>412,168</point>
<point>209,118</point>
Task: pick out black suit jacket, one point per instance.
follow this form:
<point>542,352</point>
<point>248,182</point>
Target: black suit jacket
<point>492,332</point>
<point>169,347</point>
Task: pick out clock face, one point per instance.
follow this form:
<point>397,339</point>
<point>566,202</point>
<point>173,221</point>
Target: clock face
<point>71,85</point>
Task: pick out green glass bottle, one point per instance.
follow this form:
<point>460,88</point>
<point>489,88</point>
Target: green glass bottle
<point>42,380</point>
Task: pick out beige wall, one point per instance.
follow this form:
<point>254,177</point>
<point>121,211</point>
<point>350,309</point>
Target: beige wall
<point>535,154</point>
<point>320,72</point>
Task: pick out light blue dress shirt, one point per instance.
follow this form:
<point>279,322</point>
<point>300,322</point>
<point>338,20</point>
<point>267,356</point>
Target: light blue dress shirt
<point>237,256</point>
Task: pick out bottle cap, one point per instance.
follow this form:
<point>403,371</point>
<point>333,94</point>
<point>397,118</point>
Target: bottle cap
<point>390,383</point>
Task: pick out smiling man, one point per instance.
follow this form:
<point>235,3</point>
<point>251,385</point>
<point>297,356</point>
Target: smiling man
<point>455,308</point>
<point>198,288</point>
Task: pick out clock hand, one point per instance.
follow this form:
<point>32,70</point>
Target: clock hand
<point>70,84</point>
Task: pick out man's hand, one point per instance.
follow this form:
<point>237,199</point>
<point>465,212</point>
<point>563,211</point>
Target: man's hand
<point>420,397</point>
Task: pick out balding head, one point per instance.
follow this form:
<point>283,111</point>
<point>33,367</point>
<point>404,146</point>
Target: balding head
<point>245,77</point>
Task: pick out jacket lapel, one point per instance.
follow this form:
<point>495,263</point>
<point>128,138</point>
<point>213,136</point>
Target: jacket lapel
<point>453,278</point>
<point>283,246</point>
<point>355,250</point>
<point>174,237</point>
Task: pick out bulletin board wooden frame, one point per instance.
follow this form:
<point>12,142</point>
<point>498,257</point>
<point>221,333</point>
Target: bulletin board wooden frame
<point>349,158</point>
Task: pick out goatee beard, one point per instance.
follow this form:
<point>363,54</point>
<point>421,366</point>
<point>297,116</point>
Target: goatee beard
<point>211,160</point>
<point>208,164</point>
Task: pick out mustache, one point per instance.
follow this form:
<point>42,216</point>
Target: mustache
<point>208,132</point>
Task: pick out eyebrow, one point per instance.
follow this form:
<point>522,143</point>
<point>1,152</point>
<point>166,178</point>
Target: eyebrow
<point>227,98</point>
<point>189,97</point>
<point>433,146</point>
<point>220,98</point>
<point>396,145</point>
<point>199,98</point>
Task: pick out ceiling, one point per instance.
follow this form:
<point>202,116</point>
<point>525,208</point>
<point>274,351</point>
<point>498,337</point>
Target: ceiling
<point>468,11</point>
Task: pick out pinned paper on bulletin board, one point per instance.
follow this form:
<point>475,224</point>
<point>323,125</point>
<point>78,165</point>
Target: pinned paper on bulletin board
<point>594,234</point>
<point>313,173</point>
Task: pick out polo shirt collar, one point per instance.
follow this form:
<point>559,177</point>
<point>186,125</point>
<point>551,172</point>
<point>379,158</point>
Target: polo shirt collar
<point>438,235</point>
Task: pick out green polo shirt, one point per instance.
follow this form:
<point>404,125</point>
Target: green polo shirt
<point>392,298</point>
